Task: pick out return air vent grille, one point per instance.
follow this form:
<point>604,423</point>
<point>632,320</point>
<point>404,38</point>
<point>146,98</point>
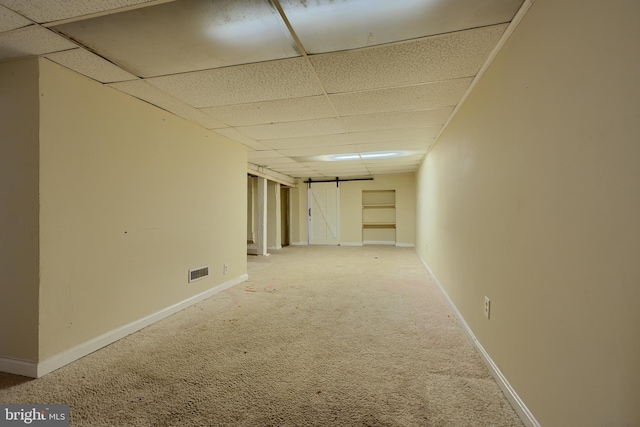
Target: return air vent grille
<point>198,273</point>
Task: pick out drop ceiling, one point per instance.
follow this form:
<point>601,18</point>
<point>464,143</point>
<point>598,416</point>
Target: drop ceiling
<point>314,88</point>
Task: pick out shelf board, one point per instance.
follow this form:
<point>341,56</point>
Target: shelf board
<point>379,225</point>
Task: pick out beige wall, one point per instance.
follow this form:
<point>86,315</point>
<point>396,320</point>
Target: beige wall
<point>19,210</point>
<point>351,207</point>
<point>531,197</point>
<point>132,197</point>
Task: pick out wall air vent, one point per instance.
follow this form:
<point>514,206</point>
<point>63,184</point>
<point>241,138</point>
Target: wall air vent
<point>198,273</point>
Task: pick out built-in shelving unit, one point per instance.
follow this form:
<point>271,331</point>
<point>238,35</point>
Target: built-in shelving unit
<point>379,217</point>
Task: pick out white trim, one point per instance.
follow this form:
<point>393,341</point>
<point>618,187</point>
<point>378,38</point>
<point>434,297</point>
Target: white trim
<point>274,248</point>
<point>299,244</point>
<point>518,405</point>
<point>405,245</point>
<point>379,242</point>
<point>88,347</point>
<point>350,243</point>
<point>18,367</point>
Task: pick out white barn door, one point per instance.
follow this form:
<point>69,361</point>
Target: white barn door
<point>324,213</point>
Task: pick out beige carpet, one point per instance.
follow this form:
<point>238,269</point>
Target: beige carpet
<point>319,336</point>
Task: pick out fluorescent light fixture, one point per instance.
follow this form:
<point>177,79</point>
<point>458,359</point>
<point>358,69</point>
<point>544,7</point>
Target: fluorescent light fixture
<point>345,157</point>
<point>378,155</point>
<point>365,156</point>
<point>372,155</point>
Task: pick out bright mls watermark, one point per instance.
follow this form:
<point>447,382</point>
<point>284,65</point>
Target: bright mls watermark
<point>34,415</point>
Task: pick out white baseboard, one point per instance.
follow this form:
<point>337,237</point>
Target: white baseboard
<point>299,244</point>
<point>518,405</point>
<point>379,242</point>
<point>34,370</point>
<point>274,248</point>
<point>405,245</point>
<point>19,367</point>
<point>350,243</point>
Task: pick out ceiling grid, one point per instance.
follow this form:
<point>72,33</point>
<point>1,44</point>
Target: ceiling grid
<point>314,89</point>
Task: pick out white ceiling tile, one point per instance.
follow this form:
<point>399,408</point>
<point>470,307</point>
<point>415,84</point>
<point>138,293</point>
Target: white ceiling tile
<point>294,166</point>
<point>397,120</point>
<point>406,98</point>
<point>234,135</point>
<point>143,90</point>
<point>317,151</point>
<point>328,25</point>
<point>253,155</point>
<point>346,173</point>
<point>48,11</point>
<point>284,79</point>
<point>32,40</point>
<point>10,20</point>
<point>393,171</point>
<point>187,35</point>
<point>405,134</point>
<point>412,146</point>
<point>432,59</point>
<point>308,141</point>
<point>91,65</point>
<point>284,110</point>
<point>336,169</point>
<point>293,129</point>
<point>399,161</point>
<point>279,161</point>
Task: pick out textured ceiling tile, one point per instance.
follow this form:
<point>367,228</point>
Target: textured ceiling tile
<point>284,79</point>
<point>187,35</point>
<point>33,40</point>
<point>410,167</point>
<point>284,110</point>
<point>10,20</point>
<point>392,170</point>
<point>308,141</point>
<point>252,155</point>
<point>90,65</point>
<point>234,135</point>
<point>328,25</point>
<point>398,120</point>
<point>399,161</point>
<point>413,146</point>
<point>423,134</point>
<point>442,57</point>
<point>143,90</point>
<point>280,161</point>
<point>293,166</point>
<point>293,129</point>
<point>317,151</point>
<point>48,10</point>
<point>417,97</point>
<point>336,168</point>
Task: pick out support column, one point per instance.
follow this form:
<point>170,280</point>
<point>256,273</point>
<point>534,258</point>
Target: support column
<point>261,217</point>
<point>274,216</point>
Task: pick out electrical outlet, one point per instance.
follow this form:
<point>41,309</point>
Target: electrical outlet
<point>487,306</point>
<point>225,270</point>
